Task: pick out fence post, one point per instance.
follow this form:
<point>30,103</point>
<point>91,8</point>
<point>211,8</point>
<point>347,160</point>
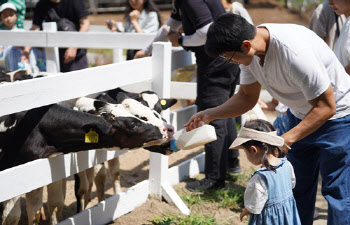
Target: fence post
<point>93,7</point>
<point>117,55</point>
<point>52,58</point>
<point>158,184</point>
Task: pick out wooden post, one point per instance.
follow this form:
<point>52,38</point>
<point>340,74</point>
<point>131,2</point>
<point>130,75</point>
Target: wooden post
<point>93,7</point>
<point>52,58</point>
<point>158,183</point>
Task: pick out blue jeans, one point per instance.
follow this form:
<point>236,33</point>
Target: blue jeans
<point>326,151</point>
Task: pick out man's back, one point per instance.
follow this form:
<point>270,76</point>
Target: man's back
<point>298,67</point>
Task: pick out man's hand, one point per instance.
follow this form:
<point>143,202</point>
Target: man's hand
<point>196,119</point>
<point>70,54</point>
<point>140,54</point>
<point>244,212</point>
<point>174,38</point>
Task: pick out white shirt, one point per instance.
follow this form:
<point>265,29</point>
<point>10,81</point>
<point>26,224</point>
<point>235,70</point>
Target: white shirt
<point>299,66</point>
<point>342,48</point>
<point>255,195</point>
<point>148,22</point>
<point>238,9</point>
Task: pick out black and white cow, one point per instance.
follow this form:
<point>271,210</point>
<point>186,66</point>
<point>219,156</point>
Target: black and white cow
<point>147,98</point>
<point>41,132</point>
<point>84,180</point>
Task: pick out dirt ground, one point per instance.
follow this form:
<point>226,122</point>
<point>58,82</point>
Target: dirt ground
<point>135,164</point>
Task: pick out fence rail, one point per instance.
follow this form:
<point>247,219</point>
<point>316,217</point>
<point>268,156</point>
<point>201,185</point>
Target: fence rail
<point>28,94</point>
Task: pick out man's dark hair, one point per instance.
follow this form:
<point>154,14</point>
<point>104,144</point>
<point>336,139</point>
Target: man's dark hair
<point>227,33</point>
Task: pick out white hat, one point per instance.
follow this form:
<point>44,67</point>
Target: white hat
<point>8,5</point>
<point>247,134</point>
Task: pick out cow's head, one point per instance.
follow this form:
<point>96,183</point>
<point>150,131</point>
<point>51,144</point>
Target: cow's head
<point>131,108</point>
<point>125,132</point>
<point>147,98</point>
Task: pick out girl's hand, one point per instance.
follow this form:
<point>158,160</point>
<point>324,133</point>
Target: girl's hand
<point>25,57</point>
<point>244,212</point>
<point>134,16</point>
<point>270,106</point>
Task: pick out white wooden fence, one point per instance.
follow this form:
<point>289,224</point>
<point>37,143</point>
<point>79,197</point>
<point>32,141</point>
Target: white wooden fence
<point>147,73</point>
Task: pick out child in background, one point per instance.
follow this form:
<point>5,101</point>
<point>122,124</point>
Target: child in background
<point>237,8</point>
<point>141,16</point>
<point>268,196</point>
<point>10,56</point>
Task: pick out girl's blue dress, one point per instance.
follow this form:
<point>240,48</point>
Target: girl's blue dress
<point>280,208</point>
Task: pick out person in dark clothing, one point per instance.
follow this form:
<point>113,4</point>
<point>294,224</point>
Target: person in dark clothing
<point>73,10</point>
<point>216,82</point>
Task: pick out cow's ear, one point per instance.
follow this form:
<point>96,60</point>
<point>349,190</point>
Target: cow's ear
<point>101,128</point>
<point>114,93</point>
<point>121,96</point>
<point>99,105</point>
<point>167,102</point>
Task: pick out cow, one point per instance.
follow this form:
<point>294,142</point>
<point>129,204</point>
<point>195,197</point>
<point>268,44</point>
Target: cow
<point>41,132</point>
<point>147,98</point>
<point>84,180</point>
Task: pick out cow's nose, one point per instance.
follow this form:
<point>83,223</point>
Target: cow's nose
<point>170,131</point>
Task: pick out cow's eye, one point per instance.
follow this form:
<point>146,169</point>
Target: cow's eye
<point>132,126</point>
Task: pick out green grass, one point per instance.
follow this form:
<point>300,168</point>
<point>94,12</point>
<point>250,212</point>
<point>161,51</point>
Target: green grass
<point>101,51</point>
<point>193,219</point>
<point>229,197</point>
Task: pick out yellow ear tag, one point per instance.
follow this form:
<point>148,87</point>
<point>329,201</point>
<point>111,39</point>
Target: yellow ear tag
<point>91,137</point>
<point>163,102</point>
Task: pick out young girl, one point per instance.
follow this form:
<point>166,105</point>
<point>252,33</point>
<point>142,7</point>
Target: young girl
<point>141,16</point>
<point>268,196</point>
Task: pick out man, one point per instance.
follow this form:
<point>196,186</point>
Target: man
<point>216,81</point>
<point>298,69</point>
<point>75,11</point>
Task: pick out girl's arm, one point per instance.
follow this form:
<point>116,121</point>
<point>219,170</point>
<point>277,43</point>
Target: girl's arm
<point>243,213</point>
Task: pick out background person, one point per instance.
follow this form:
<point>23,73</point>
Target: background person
<point>75,11</point>
<point>216,82</point>
<point>10,56</point>
<point>342,48</point>
<point>326,23</point>
<point>236,7</point>
<point>141,16</point>
<point>21,12</point>
<point>299,70</point>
